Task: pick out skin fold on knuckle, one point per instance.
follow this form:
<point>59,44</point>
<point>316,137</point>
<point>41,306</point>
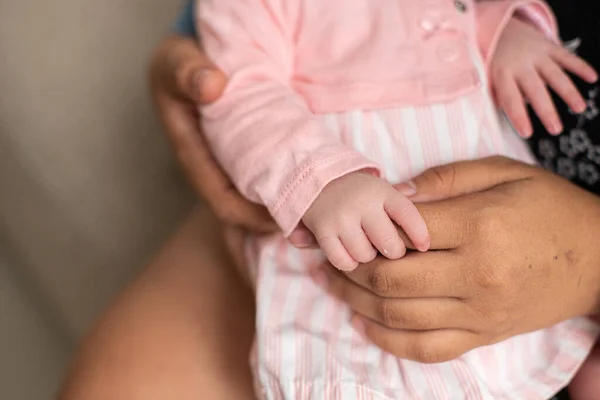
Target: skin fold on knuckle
<point>387,314</point>
<point>379,282</point>
<point>493,281</point>
<point>423,320</point>
<point>442,178</point>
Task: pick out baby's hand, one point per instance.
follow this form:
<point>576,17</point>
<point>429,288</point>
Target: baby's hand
<point>525,63</point>
<point>355,212</point>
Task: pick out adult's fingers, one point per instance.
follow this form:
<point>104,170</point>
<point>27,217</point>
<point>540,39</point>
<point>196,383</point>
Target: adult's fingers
<point>464,177</point>
<point>235,239</point>
<point>231,208</point>
<point>410,314</point>
<point>432,346</point>
<point>184,71</point>
<point>416,275</point>
<point>180,77</point>
<point>216,188</point>
<point>452,222</point>
<point>204,173</point>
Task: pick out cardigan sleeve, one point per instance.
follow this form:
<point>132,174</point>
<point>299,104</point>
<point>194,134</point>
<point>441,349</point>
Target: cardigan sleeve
<point>274,149</point>
<point>493,15</point>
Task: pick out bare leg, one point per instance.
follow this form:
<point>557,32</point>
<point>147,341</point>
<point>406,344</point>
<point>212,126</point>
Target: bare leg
<point>182,330</point>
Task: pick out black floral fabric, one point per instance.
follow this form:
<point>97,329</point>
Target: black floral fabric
<point>575,154</point>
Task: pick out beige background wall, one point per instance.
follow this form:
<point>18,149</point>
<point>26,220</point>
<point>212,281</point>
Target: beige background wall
<point>88,188</point>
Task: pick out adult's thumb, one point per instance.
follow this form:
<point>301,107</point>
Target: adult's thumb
<point>464,177</point>
<point>181,67</point>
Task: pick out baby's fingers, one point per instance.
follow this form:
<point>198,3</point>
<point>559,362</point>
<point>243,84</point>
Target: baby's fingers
<point>402,211</point>
<point>358,245</point>
<point>575,64</point>
<point>536,92</point>
<point>560,82</point>
<point>510,100</point>
<point>384,235</point>
<point>336,253</point>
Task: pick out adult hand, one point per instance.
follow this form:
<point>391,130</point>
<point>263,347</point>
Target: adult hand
<point>181,77</point>
<point>515,249</point>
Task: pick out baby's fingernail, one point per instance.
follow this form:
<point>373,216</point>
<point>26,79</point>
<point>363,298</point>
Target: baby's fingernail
<point>358,324</point>
<point>320,277</point>
<point>425,246</point>
<point>580,107</point>
<point>407,189</point>
<point>556,127</point>
<point>526,131</point>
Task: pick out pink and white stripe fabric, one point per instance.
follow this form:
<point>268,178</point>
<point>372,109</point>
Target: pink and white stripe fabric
<point>305,347</point>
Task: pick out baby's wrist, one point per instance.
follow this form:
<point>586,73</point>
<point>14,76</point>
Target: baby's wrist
<point>369,171</point>
<point>366,172</point>
<point>532,16</point>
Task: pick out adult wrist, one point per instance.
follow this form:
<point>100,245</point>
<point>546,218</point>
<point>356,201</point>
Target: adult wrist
<point>595,266</point>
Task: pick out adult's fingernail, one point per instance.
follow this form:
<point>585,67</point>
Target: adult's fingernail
<point>199,80</point>
<point>407,189</point>
<point>320,277</point>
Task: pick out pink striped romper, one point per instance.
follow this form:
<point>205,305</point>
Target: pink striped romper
<point>322,88</point>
